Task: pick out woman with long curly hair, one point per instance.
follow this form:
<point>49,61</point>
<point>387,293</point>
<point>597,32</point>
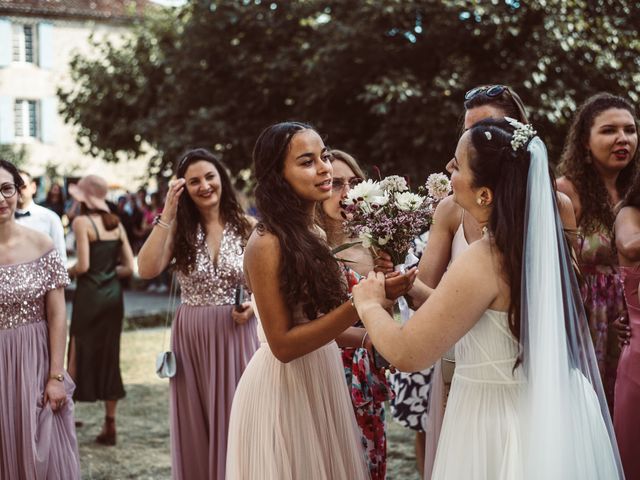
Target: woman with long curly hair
<point>202,231</point>
<point>626,416</point>
<point>292,416</point>
<point>598,162</point>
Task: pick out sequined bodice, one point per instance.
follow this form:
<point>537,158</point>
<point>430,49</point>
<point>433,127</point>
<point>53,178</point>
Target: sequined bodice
<point>23,287</point>
<point>210,284</point>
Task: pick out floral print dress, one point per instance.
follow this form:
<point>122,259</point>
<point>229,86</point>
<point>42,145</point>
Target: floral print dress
<point>369,390</point>
<point>603,295</point>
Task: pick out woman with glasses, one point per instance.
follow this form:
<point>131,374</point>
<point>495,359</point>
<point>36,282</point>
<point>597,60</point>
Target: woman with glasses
<point>201,233</point>
<point>598,162</point>
<point>368,385</point>
<point>37,432</point>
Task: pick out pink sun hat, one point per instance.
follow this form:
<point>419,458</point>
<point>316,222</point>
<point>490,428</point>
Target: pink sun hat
<point>92,191</point>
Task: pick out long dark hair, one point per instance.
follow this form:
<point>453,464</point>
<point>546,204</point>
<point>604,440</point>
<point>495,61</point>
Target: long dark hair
<point>497,166</point>
<point>15,173</point>
<point>309,274</point>
<point>109,220</point>
<point>597,209</point>
<point>189,218</point>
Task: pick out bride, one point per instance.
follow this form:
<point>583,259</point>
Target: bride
<point>526,400</point>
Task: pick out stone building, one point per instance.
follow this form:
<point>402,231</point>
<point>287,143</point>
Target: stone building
<point>38,38</point>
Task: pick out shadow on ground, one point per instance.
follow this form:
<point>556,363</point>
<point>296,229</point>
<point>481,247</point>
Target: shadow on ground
<point>143,451</point>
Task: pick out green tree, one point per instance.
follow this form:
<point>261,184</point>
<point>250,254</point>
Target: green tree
<point>13,153</point>
<point>383,79</point>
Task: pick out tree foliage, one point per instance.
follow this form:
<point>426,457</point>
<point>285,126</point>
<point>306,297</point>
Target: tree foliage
<point>382,79</point>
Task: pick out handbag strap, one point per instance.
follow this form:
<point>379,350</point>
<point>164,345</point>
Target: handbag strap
<point>171,307</point>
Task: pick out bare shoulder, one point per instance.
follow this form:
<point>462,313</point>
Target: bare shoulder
<point>567,187</point>
<point>448,214</point>
<point>627,216</point>
<point>79,223</point>
<point>262,246</point>
<point>39,243</point>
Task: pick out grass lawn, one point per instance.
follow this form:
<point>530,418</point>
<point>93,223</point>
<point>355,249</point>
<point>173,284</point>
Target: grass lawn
<point>142,451</point>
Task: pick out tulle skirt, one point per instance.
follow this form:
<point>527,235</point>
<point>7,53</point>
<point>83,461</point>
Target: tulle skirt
<point>35,442</point>
<point>294,421</point>
<point>480,437</point>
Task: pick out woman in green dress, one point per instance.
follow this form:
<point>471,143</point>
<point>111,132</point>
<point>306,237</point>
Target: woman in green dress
<point>104,257</point>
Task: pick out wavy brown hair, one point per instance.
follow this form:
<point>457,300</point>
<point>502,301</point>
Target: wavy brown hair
<point>15,173</point>
<point>189,217</point>
<point>309,274</point>
<point>495,165</point>
<point>597,207</point>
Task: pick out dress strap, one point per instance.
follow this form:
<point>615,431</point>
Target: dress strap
<point>94,227</point>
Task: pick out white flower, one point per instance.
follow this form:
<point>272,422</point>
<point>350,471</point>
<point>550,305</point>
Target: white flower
<point>408,202</point>
<point>438,185</point>
<point>369,191</point>
<point>384,240</point>
<point>394,183</point>
<point>521,135</point>
<point>365,237</point>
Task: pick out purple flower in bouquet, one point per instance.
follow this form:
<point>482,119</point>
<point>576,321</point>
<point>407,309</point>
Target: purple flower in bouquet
<point>387,215</point>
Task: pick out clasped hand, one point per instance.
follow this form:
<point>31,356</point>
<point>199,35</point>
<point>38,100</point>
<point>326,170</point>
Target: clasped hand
<point>381,289</point>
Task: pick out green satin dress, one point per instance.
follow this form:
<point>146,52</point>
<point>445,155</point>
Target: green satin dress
<point>96,324</point>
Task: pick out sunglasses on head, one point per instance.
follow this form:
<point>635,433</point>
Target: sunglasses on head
<point>488,90</point>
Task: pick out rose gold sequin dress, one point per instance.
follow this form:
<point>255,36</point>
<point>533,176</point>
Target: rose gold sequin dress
<point>211,352</point>
<point>35,442</point>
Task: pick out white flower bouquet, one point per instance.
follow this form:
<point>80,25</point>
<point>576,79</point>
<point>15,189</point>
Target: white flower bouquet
<point>386,215</point>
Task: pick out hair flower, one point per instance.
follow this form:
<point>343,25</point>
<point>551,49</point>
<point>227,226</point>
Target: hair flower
<point>521,135</point>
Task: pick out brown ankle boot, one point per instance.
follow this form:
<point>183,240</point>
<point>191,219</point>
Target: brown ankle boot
<point>108,434</point>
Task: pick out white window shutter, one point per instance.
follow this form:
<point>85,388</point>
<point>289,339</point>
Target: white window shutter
<point>6,42</point>
<point>45,45</point>
<point>48,119</point>
<point>6,119</point>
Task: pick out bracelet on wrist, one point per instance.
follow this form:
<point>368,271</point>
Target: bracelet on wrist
<point>157,221</point>
<point>59,377</point>
<point>353,303</point>
<point>364,337</point>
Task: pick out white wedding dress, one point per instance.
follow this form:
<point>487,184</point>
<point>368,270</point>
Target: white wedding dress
<point>481,437</point>
<point>484,431</point>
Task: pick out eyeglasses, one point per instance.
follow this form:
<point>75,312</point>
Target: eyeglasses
<point>488,90</point>
<point>8,190</point>
<point>338,184</point>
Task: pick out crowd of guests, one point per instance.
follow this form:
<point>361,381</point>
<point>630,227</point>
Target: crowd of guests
<point>275,339</point>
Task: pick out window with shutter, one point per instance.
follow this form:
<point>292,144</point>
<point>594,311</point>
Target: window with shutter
<point>25,120</point>
<point>24,43</point>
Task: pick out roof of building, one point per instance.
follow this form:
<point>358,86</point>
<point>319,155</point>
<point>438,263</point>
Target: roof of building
<point>117,10</point>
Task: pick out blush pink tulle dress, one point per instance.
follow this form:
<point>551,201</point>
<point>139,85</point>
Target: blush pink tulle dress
<point>294,421</point>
